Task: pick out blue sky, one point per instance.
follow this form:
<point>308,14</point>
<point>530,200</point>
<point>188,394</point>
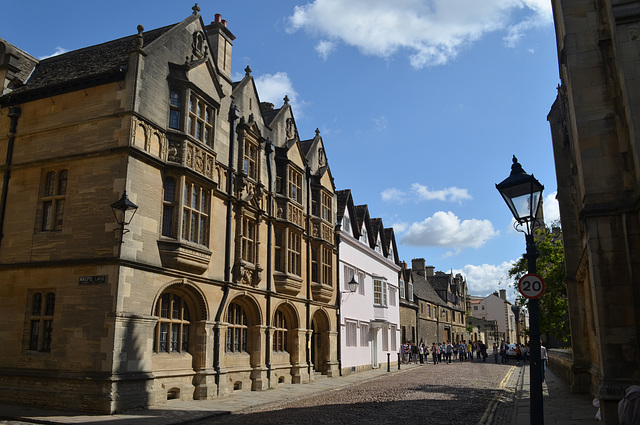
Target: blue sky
<point>421,103</point>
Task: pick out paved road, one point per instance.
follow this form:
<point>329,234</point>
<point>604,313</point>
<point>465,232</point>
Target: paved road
<point>457,393</point>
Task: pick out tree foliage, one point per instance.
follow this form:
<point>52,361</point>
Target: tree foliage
<point>553,304</point>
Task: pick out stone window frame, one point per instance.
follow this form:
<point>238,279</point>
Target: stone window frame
<point>201,119</point>
<point>295,185</point>
<point>250,150</point>
<point>326,263</point>
<point>52,199</point>
<point>41,310</point>
<point>237,329</point>
<point>172,331</point>
<point>280,331</point>
<point>248,241</point>
<point>195,205</point>
<point>294,252</point>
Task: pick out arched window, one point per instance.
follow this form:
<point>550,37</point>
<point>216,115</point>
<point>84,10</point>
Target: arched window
<point>237,329</point>
<point>172,330</point>
<point>280,332</point>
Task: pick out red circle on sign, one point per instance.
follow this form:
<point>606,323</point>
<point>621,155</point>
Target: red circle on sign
<point>531,286</point>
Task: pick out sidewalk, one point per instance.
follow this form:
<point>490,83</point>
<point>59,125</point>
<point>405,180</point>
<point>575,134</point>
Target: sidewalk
<point>561,406</point>
<point>182,412</point>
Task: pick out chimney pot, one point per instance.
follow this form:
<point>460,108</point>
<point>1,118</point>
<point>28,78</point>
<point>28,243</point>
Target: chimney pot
<point>224,22</point>
<point>217,17</point>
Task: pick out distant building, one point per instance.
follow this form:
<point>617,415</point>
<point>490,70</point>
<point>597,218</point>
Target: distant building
<point>495,307</point>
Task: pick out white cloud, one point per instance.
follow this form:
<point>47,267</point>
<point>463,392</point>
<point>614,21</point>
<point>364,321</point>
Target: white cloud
<point>451,194</point>
<point>445,229</point>
<point>59,51</point>
<point>274,87</point>
<point>486,279</point>
<point>393,195</point>
<point>419,192</point>
<point>399,227</point>
<point>430,32</point>
<point>324,47</point>
<point>551,208</point>
<point>380,123</point>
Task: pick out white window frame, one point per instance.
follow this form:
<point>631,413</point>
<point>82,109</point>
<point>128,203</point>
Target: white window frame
<point>393,334</point>
<point>361,282</point>
<point>410,291</point>
<point>385,338</point>
<point>392,296</point>
<point>402,292</point>
<point>364,334</point>
<point>380,296</point>
<point>351,333</point>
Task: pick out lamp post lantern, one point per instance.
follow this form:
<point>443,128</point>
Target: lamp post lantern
<point>120,209</point>
<point>523,194</point>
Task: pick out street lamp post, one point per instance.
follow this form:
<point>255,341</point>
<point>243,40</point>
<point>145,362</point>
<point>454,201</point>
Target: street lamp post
<point>523,194</point>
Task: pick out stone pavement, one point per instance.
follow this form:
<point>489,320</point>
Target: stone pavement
<point>561,407</point>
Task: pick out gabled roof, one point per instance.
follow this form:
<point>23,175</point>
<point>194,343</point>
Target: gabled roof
<point>98,64</point>
<point>390,244</point>
<point>440,281</point>
<point>362,219</point>
<point>343,197</point>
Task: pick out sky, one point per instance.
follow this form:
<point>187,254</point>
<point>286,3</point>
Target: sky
<point>421,104</point>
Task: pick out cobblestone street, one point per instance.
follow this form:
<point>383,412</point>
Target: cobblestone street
<point>446,393</point>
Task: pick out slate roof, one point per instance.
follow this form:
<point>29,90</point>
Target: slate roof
<point>71,70</point>
<point>305,145</point>
<point>440,282</point>
<point>342,197</point>
<point>268,112</point>
<point>423,290</point>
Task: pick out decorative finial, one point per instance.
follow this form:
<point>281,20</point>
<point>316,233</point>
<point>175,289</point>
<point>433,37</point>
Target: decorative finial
<point>247,71</point>
<point>516,168</point>
<point>139,38</point>
<point>317,132</point>
<point>286,99</point>
<point>195,9</point>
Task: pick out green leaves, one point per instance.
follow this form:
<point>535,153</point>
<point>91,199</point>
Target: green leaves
<point>554,308</point>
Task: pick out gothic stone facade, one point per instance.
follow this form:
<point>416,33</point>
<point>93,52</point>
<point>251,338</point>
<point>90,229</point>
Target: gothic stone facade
<point>225,278</point>
<point>595,123</point>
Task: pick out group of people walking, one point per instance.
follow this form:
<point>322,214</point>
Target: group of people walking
<point>445,352</point>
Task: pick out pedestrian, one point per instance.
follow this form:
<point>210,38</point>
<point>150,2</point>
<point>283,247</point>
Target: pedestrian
<point>545,359</point>
<point>525,352</point>
<point>448,351</point>
<point>483,351</point>
<point>434,352</point>
<point>518,354</point>
<point>421,352</point>
<point>495,352</point>
<point>414,353</point>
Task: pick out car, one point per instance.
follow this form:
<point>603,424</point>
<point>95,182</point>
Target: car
<point>511,351</point>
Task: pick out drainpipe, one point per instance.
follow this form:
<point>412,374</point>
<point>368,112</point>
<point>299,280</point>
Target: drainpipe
<point>339,300</point>
<point>269,150</point>
<point>308,303</point>
<point>233,116</point>
<point>14,114</point>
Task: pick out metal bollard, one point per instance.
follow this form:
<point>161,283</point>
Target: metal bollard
<point>399,361</point>
<point>388,362</point>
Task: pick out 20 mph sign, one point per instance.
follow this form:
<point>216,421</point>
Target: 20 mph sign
<point>531,286</point>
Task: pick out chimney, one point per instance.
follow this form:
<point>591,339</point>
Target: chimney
<point>221,40</point>
<point>417,265</point>
<point>503,294</point>
<point>430,270</point>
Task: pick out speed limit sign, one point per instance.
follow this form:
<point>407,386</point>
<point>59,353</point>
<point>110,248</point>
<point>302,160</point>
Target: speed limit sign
<point>531,286</point>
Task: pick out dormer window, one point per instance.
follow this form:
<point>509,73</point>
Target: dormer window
<point>363,235</point>
<point>378,247</point>
<point>346,224</point>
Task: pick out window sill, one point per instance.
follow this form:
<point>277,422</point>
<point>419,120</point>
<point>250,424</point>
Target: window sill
<point>184,256</point>
<point>287,283</point>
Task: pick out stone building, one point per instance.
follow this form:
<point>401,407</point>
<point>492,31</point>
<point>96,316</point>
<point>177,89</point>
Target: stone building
<point>441,315</point>
<point>408,306</point>
<point>595,125</point>
<point>225,278</point>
